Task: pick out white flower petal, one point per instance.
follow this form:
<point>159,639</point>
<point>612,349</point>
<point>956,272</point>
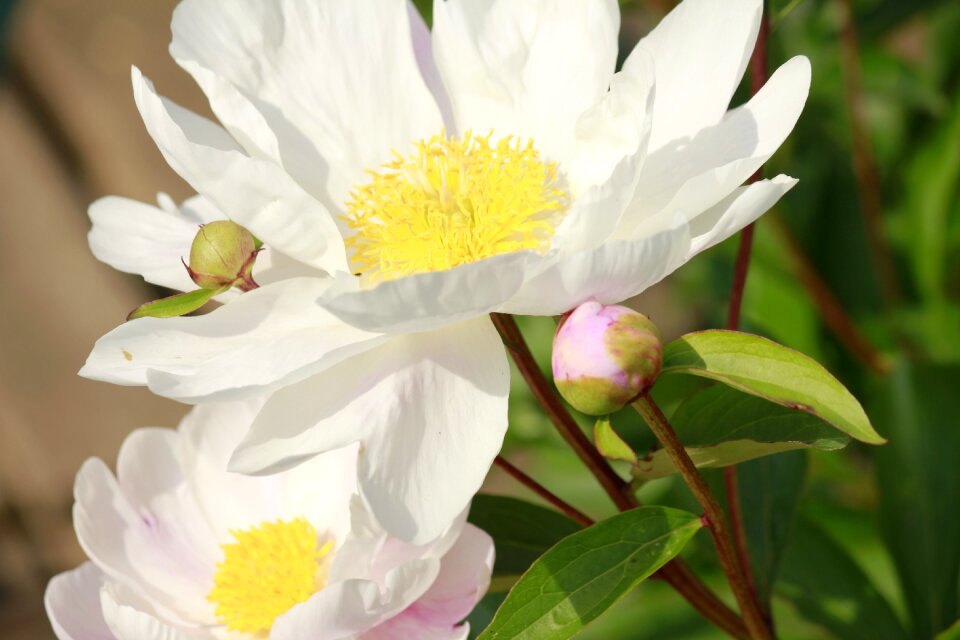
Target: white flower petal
<point>429,410</point>
<point>618,126</point>
<point>341,75</point>
<point>254,192</point>
<point>736,211</point>
<point>135,237</point>
<point>131,619</point>
<point>612,273</point>
<point>611,151</point>
<point>72,602</point>
<point>404,627</point>
<point>526,67</point>
<point>344,609</point>
<point>428,300</point>
<point>271,336</point>
<point>369,552</point>
<point>463,579</point>
<point>423,50</point>
<point>208,436</point>
<point>144,529</point>
<point>697,174</point>
<point>701,50</point>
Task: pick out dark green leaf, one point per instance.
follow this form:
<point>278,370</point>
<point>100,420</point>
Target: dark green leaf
<point>829,589</point>
<point>919,408</point>
<point>610,444</point>
<point>587,572</point>
<point>176,305</point>
<point>521,531</point>
<point>771,371</point>
<point>720,426</point>
<point>769,490</point>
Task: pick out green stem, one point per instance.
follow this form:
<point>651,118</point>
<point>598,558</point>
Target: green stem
<point>716,520</point>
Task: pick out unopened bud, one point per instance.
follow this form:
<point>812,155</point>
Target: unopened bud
<point>604,357</point>
<point>223,254</point>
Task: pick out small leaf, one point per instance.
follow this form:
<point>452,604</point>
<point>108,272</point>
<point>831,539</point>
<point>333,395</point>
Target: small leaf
<point>720,426</point>
<point>610,444</point>
<point>587,572</point>
<point>771,371</point>
<point>177,305</point>
<point>521,532</point>
<point>829,589</point>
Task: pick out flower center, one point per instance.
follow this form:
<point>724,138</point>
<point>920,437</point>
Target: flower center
<point>269,569</point>
<point>453,201</point>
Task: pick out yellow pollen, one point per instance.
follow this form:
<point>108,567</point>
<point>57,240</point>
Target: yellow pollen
<point>453,201</point>
<point>269,569</point>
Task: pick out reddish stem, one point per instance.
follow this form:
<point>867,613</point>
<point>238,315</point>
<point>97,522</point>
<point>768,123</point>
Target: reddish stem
<point>831,311</point>
<point>567,509</point>
<point>864,162</point>
<point>718,527</point>
<point>569,430</point>
<point>758,77</point>
<point>675,572</point>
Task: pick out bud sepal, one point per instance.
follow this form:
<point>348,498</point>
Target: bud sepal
<point>222,255</point>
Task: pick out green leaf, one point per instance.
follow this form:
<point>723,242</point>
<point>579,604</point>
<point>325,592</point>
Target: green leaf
<point>771,371</point>
<point>175,306</point>
<point>829,589</point>
<point>521,532</point>
<point>919,407</point>
<point>587,572</point>
<point>933,196</point>
<point>720,426</point>
<point>610,444</point>
<point>769,491</point>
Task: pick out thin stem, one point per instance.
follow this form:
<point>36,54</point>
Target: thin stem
<point>740,269</point>
<point>567,509</point>
<point>716,520</point>
<point>758,77</point>
<point>675,572</point>
<point>735,510</point>
<point>613,484</point>
<point>864,162</point>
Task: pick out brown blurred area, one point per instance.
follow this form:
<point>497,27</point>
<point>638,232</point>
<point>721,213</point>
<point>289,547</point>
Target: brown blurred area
<point>70,134</point>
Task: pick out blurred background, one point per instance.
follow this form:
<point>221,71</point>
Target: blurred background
<point>858,267</point>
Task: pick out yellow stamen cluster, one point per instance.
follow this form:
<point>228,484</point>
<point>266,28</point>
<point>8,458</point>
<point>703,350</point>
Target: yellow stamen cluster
<point>269,569</point>
<point>453,201</point>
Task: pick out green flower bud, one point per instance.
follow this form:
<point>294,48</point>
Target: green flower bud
<point>604,357</point>
<point>223,254</point>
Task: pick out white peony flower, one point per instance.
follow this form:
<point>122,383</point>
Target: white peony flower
<point>408,183</point>
<point>180,549</point>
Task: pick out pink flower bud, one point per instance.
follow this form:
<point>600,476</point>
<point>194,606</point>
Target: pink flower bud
<point>604,357</point>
